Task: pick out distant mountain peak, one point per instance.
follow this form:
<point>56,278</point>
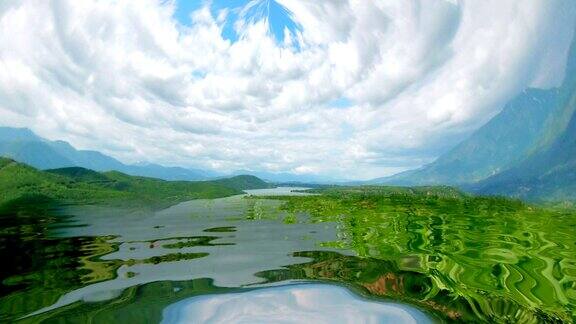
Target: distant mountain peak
<point>24,146</point>
<point>17,134</point>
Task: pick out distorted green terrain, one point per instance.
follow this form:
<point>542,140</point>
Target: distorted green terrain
<point>459,257</point>
<point>78,185</point>
<point>475,258</point>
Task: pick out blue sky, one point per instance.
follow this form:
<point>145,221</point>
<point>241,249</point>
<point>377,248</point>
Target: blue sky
<point>184,9</point>
<point>341,102</point>
<point>279,18</point>
<point>364,90</point>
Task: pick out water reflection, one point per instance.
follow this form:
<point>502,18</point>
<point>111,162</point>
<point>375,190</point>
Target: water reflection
<point>189,241</point>
<point>458,262</point>
<point>303,303</point>
<point>499,261</point>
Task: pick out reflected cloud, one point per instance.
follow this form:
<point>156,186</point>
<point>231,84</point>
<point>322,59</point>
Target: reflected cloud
<point>303,303</point>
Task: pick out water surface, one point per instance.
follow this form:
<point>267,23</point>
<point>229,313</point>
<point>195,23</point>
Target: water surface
<point>96,264</point>
<point>303,303</point>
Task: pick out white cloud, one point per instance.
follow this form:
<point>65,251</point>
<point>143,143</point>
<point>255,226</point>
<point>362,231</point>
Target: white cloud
<point>125,78</point>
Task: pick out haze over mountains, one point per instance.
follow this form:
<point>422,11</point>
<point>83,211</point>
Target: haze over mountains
<point>22,145</point>
<point>527,151</point>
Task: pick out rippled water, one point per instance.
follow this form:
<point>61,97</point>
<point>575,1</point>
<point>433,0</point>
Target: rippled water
<point>102,265</point>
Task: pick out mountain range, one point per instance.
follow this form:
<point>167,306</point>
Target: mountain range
<point>526,151</point>
<point>22,145</point>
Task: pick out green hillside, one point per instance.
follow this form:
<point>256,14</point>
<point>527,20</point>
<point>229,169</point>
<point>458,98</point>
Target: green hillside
<point>79,185</point>
<point>18,181</point>
<point>243,182</point>
<point>80,174</point>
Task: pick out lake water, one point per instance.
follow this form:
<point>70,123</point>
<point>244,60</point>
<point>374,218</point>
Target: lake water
<point>251,260</point>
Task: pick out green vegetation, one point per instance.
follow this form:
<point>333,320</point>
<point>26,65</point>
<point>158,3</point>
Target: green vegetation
<point>460,257</point>
<point>81,174</point>
<point>487,258</point>
<point>79,185</point>
<point>243,182</point>
<point>390,191</point>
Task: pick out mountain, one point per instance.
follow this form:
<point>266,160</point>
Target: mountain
<point>525,151</point>
<point>23,145</point>
<point>19,181</point>
<point>288,178</point>
<point>496,146</point>
<point>549,174</point>
<point>243,182</point>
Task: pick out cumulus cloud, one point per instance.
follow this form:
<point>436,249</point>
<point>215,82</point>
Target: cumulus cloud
<point>126,78</point>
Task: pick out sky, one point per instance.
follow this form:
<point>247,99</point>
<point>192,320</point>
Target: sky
<point>344,89</point>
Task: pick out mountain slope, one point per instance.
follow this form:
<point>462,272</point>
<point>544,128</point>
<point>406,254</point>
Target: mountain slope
<point>528,124</point>
<point>549,174</point>
<point>505,140</point>
<point>79,174</point>
<point>19,181</point>
<point>23,145</point>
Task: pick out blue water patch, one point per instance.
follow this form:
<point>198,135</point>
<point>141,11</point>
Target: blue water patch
<point>278,18</point>
<point>300,303</point>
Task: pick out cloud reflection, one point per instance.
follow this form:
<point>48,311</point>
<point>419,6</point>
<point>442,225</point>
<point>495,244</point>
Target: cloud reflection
<point>302,303</point>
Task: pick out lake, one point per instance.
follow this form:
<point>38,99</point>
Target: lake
<point>253,259</point>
